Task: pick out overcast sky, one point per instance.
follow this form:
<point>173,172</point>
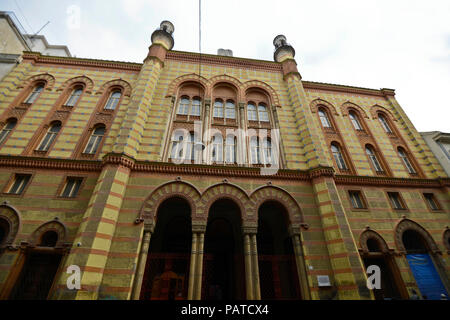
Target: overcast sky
<point>404,45</point>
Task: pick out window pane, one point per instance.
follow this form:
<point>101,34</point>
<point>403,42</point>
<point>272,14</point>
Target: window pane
<point>195,107</point>
<point>251,113</point>
<point>19,184</point>
<point>324,119</point>
<point>254,150</point>
<point>262,112</point>
<point>374,159</point>
<point>218,109</point>
<point>230,151</point>
<point>230,110</point>
<point>406,161</point>
<point>7,129</point>
<point>76,93</point>
<point>113,100</point>
<point>72,187</point>
<point>34,94</point>
<point>355,121</point>
<point>338,157</point>
<point>431,201</point>
<point>183,107</point>
<point>384,123</point>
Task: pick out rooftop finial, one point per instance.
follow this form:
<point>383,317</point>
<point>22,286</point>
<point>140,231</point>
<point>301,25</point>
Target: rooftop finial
<point>283,50</point>
<point>164,35</point>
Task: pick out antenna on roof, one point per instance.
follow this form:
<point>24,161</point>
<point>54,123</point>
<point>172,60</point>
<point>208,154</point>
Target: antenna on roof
<point>40,29</point>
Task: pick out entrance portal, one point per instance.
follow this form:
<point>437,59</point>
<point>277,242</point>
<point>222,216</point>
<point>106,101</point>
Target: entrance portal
<point>166,273</point>
<point>223,261</point>
<point>277,266</point>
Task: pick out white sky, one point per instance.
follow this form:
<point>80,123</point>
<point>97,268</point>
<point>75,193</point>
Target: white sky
<point>403,45</point>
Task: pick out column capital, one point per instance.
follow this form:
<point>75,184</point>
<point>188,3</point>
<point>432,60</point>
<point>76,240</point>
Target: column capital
<point>198,227</point>
<point>250,229</point>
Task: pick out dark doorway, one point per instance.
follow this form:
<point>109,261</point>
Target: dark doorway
<point>166,275</point>
<point>422,265</point>
<point>4,231</point>
<point>277,266</point>
<point>223,263</point>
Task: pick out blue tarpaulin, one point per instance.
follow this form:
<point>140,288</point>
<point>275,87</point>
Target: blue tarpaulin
<point>427,278</point>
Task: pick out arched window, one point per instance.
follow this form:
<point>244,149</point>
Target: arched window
<point>7,128</point>
<point>324,118</point>
<point>355,121</point>
<point>402,154</point>
<point>262,113</point>
<point>74,96</point>
<point>50,136</point>
<point>384,123</point>
<point>218,109</point>
<point>196,106</point>
<point>254,150</point>
<point>267,151</point>
<point>230,149</point>
<point>95,140</point>
<point>338,157</point>
<point>230,110</point>
<point>251,112</point>
<point>177,145</point>
<point>183,106</point>
<point>217,148</point>
<point>35,93</point>
<point>373,158</point>
<point>113,100</point>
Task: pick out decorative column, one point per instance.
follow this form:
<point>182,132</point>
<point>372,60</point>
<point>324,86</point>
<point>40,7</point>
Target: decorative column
<point>142,262</point>
<point>242,139</point>
<point>282,160</point>
<point>255,268</point>
<point>196,267</point>
<point>294,232</point>
<point>248,267</point>
<point>205,130</point>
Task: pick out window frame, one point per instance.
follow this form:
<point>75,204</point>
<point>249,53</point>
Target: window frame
<point>354,117</point>
<point>376,155</point>
<point>99,145</point>
<point>52,139</point>
<point>71,93</point>
<point>10,183</point>
<point>255,111</point>
<point>362,198</point>
<point>234,149</point>
<point>436,202</point>
<point>63,184</point>
<point>400,199</point>
<point>406,161</point>
<point>32,92</point>
<point>9,132</point>
<point>324,111</point>
<point>343,157</point>
<point>116,102</point>
<point>385,124</point>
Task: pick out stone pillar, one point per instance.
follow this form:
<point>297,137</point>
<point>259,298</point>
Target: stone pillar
<point>142,263</point>
<point>248,267</point>
<point>300,262</point>
<point>255,268</point>
<point>199,266</point>
<point>282,160</point>
<point>192,267</point>
<point>205,130</point>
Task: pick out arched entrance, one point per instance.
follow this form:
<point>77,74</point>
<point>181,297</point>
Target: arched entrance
<point>422,265</point>
<point>376,252</point>
<point>166,273</point>
<point>223,261</point>
<point>4,231</point>
<point>276,258</point>
<point>39,269</point>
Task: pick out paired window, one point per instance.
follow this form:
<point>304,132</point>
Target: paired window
<point>338,157</point>
<point>384,123</point>
<point>182,147</point>
<point>217,152</point>
<point>257,114</point>
<point>402,154</point>
<point>230,109</point>
<point>35,94</point>
<point>74,97</point>
<point>258,157</point>
<point>370,151</point>
<point>113,100</point>
<point>396,201</point>
<point>432,202</point>
<point>49,137</point>
<point>95,140</point>
<point>355,121</point>
<point>7,128</point>
<point>357,200</point>
<point>71,187</point>
<point>323,116</point>
<point>19,183</point>
<point>186,106</point>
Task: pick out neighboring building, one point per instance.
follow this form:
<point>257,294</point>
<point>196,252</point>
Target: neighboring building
<point>90,175</point>
<point>14,40</point>
<point>439,143</point>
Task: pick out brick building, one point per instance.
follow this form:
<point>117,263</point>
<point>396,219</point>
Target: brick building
<point>195,176</point>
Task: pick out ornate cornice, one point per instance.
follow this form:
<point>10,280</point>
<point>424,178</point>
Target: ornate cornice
<point>49,163</point>
<point>119,159</point>
<point>343,88</point>
<point>224,61</point>
<point>390,181</point>
<point>36,57</point>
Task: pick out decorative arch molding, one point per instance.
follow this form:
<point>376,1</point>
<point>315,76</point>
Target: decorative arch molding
<point>54,225</point>
<point>226,190</point>
<point>12,217</point>
<point>273,193</point>
<point>192,77</point>
<point>235,83</point>
<point>319,102</point>
<point>46,77</point>
<point>407,224</point>
<point>377,108</point>
<point>172,189</point>
<point>89,84</point>
<point>349,105</point>
<point>262,86</point>
<point>371,234</point>
<point>116,83</point>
